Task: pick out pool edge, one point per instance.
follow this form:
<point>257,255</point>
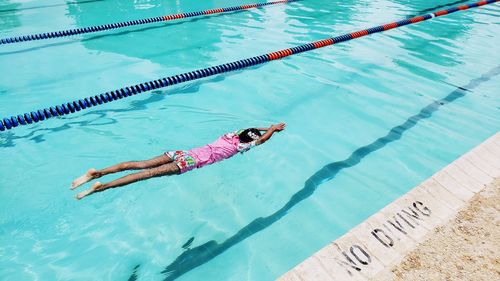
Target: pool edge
<point>371,248</point>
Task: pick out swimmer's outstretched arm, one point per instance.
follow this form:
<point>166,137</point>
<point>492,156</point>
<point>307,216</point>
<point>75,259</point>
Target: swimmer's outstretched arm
<point>269,132</point>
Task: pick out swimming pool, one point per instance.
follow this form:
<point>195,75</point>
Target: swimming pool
<point>359,134</point>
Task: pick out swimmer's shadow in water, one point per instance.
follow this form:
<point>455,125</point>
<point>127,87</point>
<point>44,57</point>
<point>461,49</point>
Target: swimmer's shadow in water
<point>199,255</point>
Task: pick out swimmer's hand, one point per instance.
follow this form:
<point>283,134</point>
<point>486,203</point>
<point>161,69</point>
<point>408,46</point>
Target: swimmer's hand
<point>278,127</point>
<point>269,133</point>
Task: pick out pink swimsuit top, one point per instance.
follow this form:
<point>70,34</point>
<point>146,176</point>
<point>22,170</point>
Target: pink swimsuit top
<point>224,147</point>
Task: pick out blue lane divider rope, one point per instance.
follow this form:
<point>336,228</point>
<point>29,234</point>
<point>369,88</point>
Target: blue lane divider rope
<point>75,106</point>
<point>91,29</point>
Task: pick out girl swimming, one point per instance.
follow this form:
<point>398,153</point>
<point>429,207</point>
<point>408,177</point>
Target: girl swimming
<point>180,161</point>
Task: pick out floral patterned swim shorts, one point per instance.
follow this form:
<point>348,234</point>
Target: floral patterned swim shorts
<point>184,161</point>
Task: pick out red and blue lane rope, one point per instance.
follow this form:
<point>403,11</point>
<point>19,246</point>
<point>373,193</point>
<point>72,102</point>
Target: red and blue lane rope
<point>98,28</point>
<point>75,106</point>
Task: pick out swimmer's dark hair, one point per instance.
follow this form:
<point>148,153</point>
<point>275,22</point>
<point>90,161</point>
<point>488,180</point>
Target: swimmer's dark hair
<point>245,135</point>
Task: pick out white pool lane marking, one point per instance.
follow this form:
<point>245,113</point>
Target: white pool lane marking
<point>374,246</point>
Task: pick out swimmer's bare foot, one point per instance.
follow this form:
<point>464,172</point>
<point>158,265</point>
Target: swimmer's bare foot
<point>89,191</point>
<point>88,176</point>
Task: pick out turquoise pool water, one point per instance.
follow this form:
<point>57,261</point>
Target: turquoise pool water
<point>367,121</point>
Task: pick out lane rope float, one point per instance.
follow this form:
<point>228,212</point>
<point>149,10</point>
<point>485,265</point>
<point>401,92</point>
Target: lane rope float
<point>98,28</point>
<point>75,106</point>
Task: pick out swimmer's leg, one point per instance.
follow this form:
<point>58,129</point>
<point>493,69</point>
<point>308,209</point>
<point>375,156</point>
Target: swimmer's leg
<point>163,170</point>
<point>131,165</point>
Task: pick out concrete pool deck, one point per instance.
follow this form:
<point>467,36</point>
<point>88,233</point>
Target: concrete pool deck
<point>466,248</point>
<point>374,249</point>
